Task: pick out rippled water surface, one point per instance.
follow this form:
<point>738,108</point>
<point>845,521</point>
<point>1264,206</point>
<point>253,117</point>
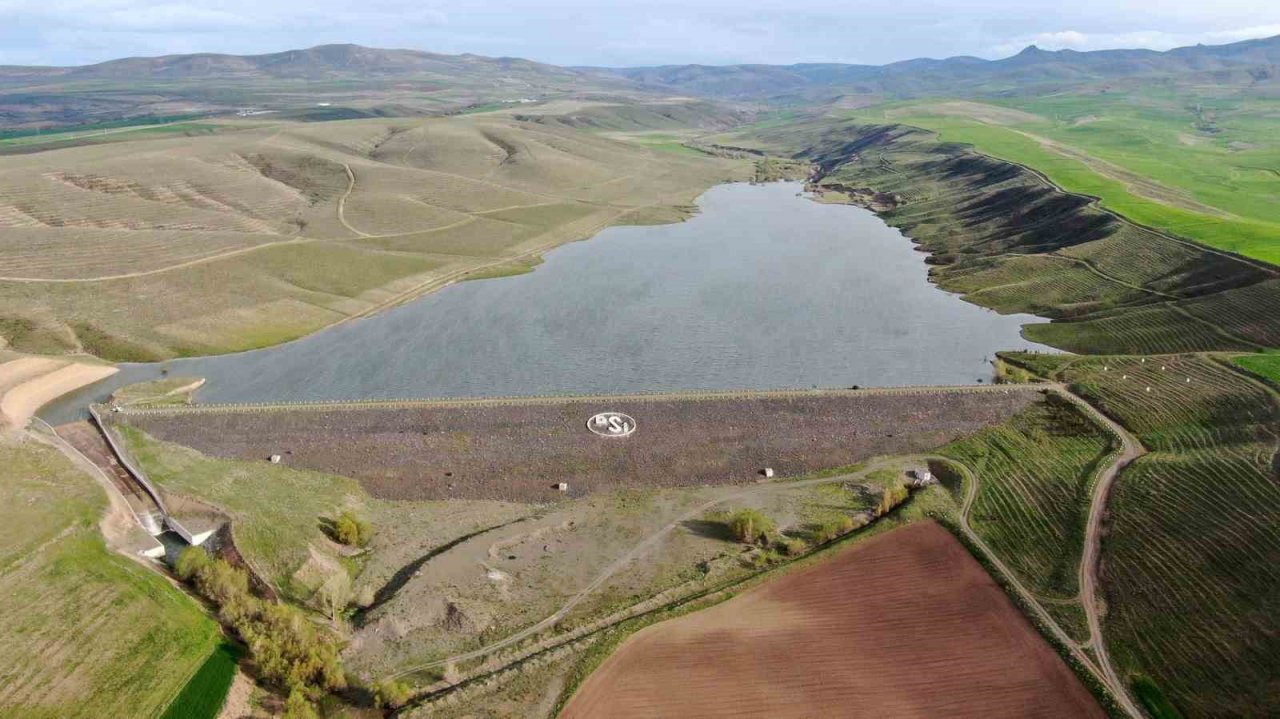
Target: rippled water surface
<point>763,289</point>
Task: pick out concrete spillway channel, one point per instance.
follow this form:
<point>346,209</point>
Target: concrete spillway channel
<point>88,440</point>
<point>94,441</point>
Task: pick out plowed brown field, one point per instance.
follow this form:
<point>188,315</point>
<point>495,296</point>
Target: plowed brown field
<point>905,625</point>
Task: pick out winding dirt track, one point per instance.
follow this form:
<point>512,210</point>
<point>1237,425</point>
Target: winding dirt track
<point>1102,668</point>
<point>1131,449</point>
<point>622,562</point>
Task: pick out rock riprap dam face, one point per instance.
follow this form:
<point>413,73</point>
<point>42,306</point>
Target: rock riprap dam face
<point>520,450</point>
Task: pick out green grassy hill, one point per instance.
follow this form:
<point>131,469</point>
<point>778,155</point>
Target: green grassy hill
<point>87,632</point>
<point>1035,476</point>
<point>258,234</point>
<point>1201,168</point>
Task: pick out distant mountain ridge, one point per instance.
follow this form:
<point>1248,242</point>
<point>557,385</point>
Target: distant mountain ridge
<point>320,62</point>
<point>1032,66</point>
<point>333,81</point>
<point>341,81</point>
<point>349,60</point>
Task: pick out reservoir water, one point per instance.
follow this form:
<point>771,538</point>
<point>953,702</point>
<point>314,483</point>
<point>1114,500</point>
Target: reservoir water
<point>763,289</point>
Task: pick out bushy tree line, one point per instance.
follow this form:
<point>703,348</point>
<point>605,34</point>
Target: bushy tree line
<point>290,651</point>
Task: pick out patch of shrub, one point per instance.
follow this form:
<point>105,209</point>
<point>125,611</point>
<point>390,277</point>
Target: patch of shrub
<point>298,706</point>
<point>833,528</point>
<point>750,525</point>
<point>765,558</point>
<point>391,694</point>
<point>793,546</point>
<point>191,562</point>
<point>893,496</point>
<point>352,530</point>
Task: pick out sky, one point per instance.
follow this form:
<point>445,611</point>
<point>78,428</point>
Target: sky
<point>605,32</point>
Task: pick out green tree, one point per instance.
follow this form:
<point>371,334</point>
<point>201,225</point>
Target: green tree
<point>297,706</point>
<point>391,694</point>
<point>750,525</point>
<point>351,530</point>
<point>335,594</point>
<point>289,650</point>
<point>190,563</point>
<point>222,583</point>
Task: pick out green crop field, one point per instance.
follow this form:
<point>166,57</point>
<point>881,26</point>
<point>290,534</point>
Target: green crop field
<point>1266,365</point>
<point>1207,175</point>
<point>87,632</point>
<point>204,695</point>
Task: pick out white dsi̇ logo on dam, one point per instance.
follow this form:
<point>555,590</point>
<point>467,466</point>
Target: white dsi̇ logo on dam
<point>612,424</point>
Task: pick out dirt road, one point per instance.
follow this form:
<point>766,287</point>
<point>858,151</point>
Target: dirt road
<point>638,551</point>
<point>1131,449</point>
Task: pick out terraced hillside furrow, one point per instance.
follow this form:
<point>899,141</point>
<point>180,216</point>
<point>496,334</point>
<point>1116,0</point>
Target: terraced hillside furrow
<point>1007,238</point>
<point>1159,329</point>
<point>1036,472</point>
<point>1190,557</point>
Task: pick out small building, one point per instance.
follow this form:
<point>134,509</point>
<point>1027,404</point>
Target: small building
<point>922,477</point>
<point>275,459</point>
<point>767,472</point>
<point>562,486</point>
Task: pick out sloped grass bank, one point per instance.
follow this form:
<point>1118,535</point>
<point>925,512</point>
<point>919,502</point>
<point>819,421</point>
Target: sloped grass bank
<point>205,694</point>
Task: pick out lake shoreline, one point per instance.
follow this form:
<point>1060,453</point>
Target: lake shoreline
<point>754,292</point>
